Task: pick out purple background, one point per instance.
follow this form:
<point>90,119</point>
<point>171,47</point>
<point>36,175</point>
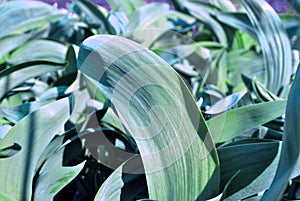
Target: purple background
<point>280,6</point>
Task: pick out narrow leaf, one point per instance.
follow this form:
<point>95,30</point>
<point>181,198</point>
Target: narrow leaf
<point>291,144</point>
<point>238,120</point>
<point>10,151</point>
<point>271,33</point>
<point>18,74</point>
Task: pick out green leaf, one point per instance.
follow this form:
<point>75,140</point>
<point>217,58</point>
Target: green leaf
<point>290,145</point>
<point>9,43</point>
<point>295,4</point>
<point>21,16</point>
<point>238,120</point>
<point>4,128</point>
<point>150,28</point>
<point>159,112</point>
<point>95,15</point>
<point>264,180</point>
<point>5,198</point>
<point>118,22</point>
<point>237,20</point>
<point>146,12</point>
<point>203,13</point>
<point>15,114</point>
<point>33,133</point>
<point>244,62</point>
<point>110,190</point>
<point>16,75</point>
<point>125,6</point>
<point>10,151</point>
<point>274,43</point>
<point>53,176</point>
<point>226,103</point>
<point>224,5</point>
<point>45,50</point>
<point>254,162</point>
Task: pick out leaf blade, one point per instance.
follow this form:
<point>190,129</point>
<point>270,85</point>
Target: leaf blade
<point>123,60</point>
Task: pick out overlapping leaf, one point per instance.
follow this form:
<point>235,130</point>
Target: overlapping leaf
<point>271,33</point>
<point>173,138</point>
<point>20,16</point>
<point>33,133</point>
<point>290,148</point>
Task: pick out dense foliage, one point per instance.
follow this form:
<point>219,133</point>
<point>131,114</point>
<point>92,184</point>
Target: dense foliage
<point>139,102</point>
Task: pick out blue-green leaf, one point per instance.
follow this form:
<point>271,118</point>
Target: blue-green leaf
<point>32,133</point>
<point>158,110</point>
<point>291,143</point>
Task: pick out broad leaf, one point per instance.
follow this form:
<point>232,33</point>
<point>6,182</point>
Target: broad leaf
<point>17,17</point>
<point>32,133</point>
<point>45,50</point>
<point>257,153</point>
<point>95,15</point>
<point>159,112</point>
<point>226,103</point>
<point>253,174</point>
<point>53,177</point>
<point>15,114</point>
<point>203,12</point>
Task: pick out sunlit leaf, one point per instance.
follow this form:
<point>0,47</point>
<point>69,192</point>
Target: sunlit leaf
<point>234,122</point>
<point>53,177</point>
<point>20,16</point>
<point>271,33</point>
<point>125,6</point>
<point>32,133</point>
<point>18,74</point>
<point>170,140</point>
<point>45,50</point>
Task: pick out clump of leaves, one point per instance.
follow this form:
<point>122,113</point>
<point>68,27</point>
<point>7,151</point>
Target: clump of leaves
<point>143,102</point>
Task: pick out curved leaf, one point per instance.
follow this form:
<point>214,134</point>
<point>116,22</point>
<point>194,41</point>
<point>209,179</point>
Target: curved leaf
<point>53,176</point>
<point>10,151</point>
<point>45,50</point>
<point>18,74</point>
<point>274,43</point>
<point>15,114</point>
<point>110,190</point>
<point>254,174</point>
<point>125,6</point>
<point>20,16</point>
<point>159,112</point>
<point>203,12</point>
<point>291,144</point>
<point>226,103</point>
<point>33,133</point>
